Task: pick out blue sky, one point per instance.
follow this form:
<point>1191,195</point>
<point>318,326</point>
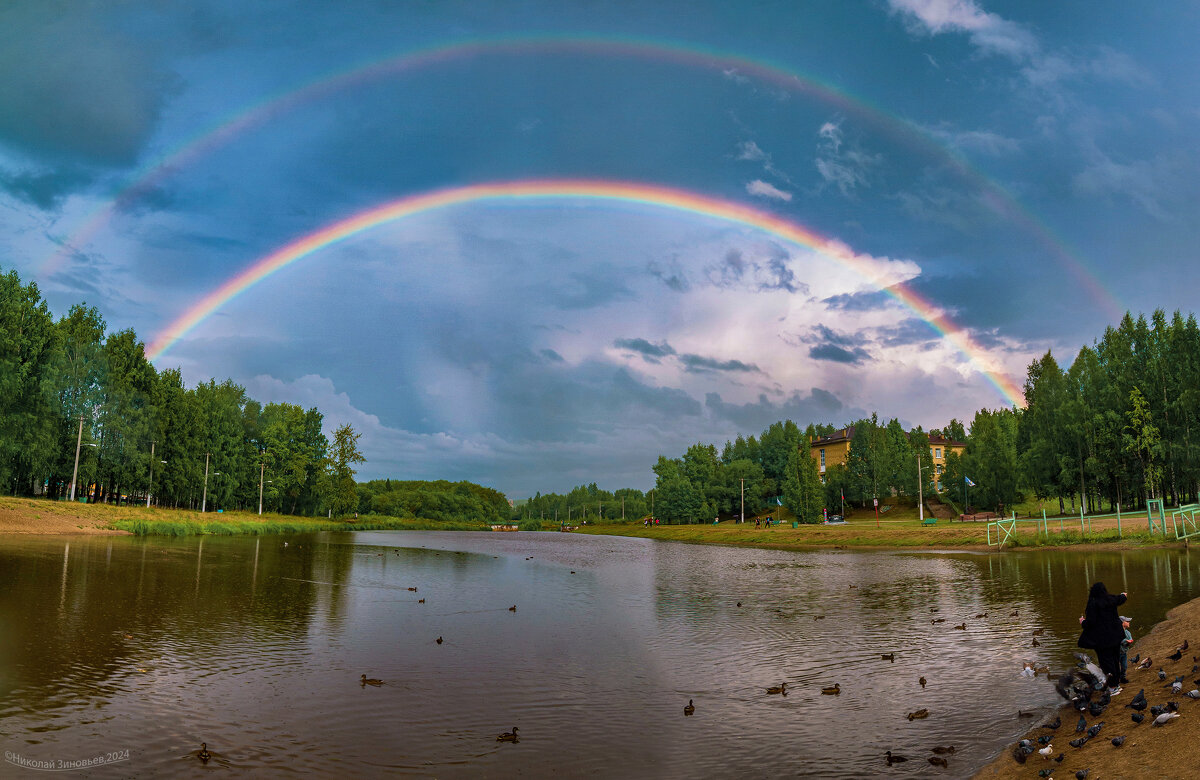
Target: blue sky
<point>1028,168</point>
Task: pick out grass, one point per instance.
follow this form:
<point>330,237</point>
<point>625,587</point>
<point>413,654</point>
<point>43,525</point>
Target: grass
<point>45,516</point>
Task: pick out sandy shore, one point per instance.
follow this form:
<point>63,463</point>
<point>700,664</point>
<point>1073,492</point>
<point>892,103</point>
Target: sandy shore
<point>29,516</point>
<point>1170,751</point>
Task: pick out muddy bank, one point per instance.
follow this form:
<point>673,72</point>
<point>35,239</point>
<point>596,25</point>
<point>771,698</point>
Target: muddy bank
<point>1172,750</point>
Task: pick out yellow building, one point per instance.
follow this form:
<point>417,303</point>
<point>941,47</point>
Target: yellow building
<point>831,450</point>
<point>834,449</point>
<point>939,447</point>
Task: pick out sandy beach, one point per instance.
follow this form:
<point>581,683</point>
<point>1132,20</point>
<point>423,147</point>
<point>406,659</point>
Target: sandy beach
<point>1170,751</point>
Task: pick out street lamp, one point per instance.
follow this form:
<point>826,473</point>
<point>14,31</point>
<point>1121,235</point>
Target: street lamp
<point>151,488</point>
<point>75,473</point>
<point>204,496</point>
<point>262,466</point>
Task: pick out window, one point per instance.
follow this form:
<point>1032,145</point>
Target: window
<point>937,453</point>
<point>822,460</point>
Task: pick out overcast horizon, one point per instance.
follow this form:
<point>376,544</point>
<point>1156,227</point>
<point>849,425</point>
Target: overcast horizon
<point>979,182</point>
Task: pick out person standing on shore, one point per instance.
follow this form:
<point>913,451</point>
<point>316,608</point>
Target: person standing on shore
<point>1126,642</point>
<point>1102,632</point>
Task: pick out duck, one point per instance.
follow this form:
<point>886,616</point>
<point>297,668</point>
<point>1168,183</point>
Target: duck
<point>509,736</point>
<point>438,640</point>
<point>832,690</point>
<point>888,656</point>
<point>781,688</point>
<point>943,749</point>
<point>420,601</point>
<point>204,755</point>
<point>922,681</point>
<point>1024,714</point>
<point>981,615</point>
<point>938,620</point>
<point>690,708</point>
<point>414,590</point>
<point>921,713</point>
<point>818,617</point>
<point>939,761</point>
<point>364,680</point>
<point>1014,613</point>
<point>1036,643</point>
<point>513,608</point>
<point>961,627</point>
<point>1039,631</point>
<point>895,759</point>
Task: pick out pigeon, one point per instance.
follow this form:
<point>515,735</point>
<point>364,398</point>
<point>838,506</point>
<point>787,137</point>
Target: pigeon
<point>1044,739</point>
<point>1078,743</point>
<point>1172,706</point>
<point>1081,774</point>
<point>1025,746</point>
<point>1135,659</point>
<point>1162,675</point>
<point>1139,701</point>
<point>1165,718</point>
<point>1137,717</point>
<point>1176,687</point>
<point>1157,710</point>
<point>1045,772</point>
<point>1118,741</point>
<point>1094,730</point>
<point>1081,726</point>
<point>1047,752</point>
<point>1059,758</point>
<point>1018,755</point>
<point>1057,722</point>
<point>1146,664</point>
<point>1175,656</point>
<point>1184,646</point>
<point>1193,694</point>
<point>1096,709</point>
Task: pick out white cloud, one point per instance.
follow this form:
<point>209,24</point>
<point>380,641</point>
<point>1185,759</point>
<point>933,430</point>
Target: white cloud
<point>846,168</point>
<point>764,190</point>
<point>989,32</point>
<point>982,141</point>
<point>749,150</point>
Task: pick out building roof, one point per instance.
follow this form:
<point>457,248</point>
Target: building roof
<point>845,434</point>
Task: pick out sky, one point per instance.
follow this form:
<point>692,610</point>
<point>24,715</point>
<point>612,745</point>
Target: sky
<point>616,229</point>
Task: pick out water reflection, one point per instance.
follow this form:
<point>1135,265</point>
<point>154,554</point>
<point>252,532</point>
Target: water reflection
<point>256,646</point>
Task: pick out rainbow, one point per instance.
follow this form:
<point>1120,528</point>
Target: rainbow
<point>993,195</point>
<point>675,199</point>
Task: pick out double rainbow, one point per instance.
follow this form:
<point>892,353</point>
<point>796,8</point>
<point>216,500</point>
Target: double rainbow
<point>999,200</point>
<point>629,192</point>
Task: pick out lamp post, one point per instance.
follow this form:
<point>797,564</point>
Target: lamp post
<point>262,465</point>
<point>75,473</point>
<point>204,498</point>
<point>151,488</point>
<point>920,491</point>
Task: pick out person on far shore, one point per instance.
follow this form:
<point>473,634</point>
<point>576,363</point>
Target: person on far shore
<point>1102,632</point>
<point>1125,644</point>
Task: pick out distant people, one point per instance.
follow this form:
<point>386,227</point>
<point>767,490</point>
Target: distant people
<point>1102,632</point>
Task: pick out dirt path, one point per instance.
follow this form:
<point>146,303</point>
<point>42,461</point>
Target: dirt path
<point>1170,751</point>
<point>27,516</point>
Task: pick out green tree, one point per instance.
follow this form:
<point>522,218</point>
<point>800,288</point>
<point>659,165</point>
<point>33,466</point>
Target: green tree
<point>338,492</point>
<point>803,493</point>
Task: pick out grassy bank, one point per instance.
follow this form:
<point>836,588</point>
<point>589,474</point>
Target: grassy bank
<point>900,528</point>
<point>39,516</point>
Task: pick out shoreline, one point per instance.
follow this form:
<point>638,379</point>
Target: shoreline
<point>1170,751</point>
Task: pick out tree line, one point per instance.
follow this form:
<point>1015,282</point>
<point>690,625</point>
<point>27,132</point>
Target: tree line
<point>69,386</point>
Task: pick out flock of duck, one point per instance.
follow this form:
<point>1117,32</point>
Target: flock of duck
<point>1083,688</point>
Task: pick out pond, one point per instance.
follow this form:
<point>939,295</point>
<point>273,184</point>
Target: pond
<point>136,650</point>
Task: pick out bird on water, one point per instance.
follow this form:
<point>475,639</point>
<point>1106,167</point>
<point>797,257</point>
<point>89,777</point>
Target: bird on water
<point>509,736</point>
<point>894,759</point>
<point>781,688</point>
<point>364,680</point>
<point>204,755</point>
<point>832,690</point>
<point>690,708</point>
<point>921,713</point>
<point>939,761</point>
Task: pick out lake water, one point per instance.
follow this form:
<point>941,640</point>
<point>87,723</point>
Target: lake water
<point>145,647</point>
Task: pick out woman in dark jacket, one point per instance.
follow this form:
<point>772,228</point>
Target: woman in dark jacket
<point>1102,631</point>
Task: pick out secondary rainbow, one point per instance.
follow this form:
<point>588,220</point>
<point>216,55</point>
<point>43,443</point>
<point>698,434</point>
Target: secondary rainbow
<point>630,192</point>
<point>998,199</point>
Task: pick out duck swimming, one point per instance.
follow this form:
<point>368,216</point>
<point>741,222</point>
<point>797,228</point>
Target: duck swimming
<point>690,708</point>
<point>832,690</point>
<point>364,680</point>
<point>781,688</point>
<point>204,755</point>
<point>509,736</point>
<point>921,713</point>
<point>894,759</point>
<point>888,656</point>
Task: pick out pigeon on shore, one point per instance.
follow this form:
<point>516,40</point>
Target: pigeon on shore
<point>1165,718</point>
<point>1118,741</point>
<point>1047,752</point>
<point>1094,730</point>
<point>1139,701</point>
<point>1138,717</point>
<point>1078,743</point>
<point>1081,726</point>
<point>1161,674</point>
<point>1052,726</point>
<point>1175,656</point>
<point>1146,664</point>
<point>1193,694</point>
